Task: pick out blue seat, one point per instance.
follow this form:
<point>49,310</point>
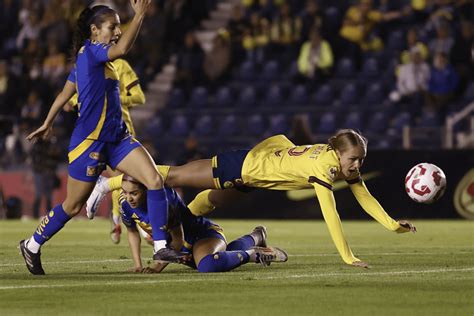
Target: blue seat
<point>469,93</point>
<point>247,97</point>
<point>273,96</point>
<point>278,124</point>
<point>223,97</point>
<point>199,98</point>
<point>270,71</point>
<point>402,119</point>
<point>246,71</point>
<point>298,96</point>
<point>370,69</point>
<point>228,126</point>
<point>377,123</point>
<point>349,94</point>
<point>428,119</point>
<point>324,95</point>
<point>353,120</point>
<point>374,95</point>
<point>176,98</point>
<point>292,71</point>
<point>179,126</point>
<point>396,41</point>
<point>345,68</point>
<point>333,19</point>
<point>204,126</point>
<point>327,123</point>
<point>255,125</point>
<point>154,127</point>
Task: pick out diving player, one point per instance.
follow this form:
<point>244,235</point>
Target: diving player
<point>131,95</point>
<point>191,235</point>
<point>278,164</point>
<point>100,136</point>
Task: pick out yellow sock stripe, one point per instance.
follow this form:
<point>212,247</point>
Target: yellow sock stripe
<point>214,162</point>
<point>217,183</point>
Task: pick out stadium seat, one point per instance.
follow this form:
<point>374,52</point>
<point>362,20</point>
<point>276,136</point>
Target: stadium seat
<point>176,98</point>
<point>255,125</point>
<point>199,98</point>
<point>204,126</point>
<point>353,120</point>
<point>179,126</point>
<point>332,19</point>
<point>324,95</point>
<point>298,96</point>
<point>246,71</point>
<point>345,69</point>
<point>154,127</point>
<point>247,97</point>
<point>327,123</point>
<point>228,126</point>
<point>401,120</point>
<point>396,41</point>
<point>349,94</point>
<point>273,96</point>
<point>223,97</point>
<point>278,124</point>
<point>469,93</point>
<point>428,119</point>
<point>377,123</point>
<point>370,69</point>
<point>374,95</point>
<point>270,71</point>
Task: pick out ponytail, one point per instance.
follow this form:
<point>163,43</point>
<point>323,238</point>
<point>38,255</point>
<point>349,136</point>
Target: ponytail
<point>347,138</point>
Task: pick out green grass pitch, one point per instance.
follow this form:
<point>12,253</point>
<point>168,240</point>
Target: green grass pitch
<point>428,273</point>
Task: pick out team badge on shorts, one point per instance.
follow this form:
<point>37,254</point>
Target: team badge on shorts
<point>94,155</point>
<point>91,171</point>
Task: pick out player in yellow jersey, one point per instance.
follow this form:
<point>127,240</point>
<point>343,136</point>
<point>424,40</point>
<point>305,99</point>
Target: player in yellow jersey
<point>278,164</point>
<point>131,95</point>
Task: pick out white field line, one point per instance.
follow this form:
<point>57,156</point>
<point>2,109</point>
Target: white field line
<point>290,255</point>
<point>253,278</point>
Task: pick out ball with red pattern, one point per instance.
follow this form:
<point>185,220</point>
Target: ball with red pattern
<point>425,183</point>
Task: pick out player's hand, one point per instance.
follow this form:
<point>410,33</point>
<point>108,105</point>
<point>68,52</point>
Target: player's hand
<point>156,268</point>
<point>140,6</point>
<point>405,227</point>
<point>360,264</point>
<point>44,131</point>
<point>135,269</point>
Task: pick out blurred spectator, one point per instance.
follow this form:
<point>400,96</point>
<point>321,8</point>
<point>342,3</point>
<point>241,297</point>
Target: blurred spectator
<point>443,41</point>
<point>237,26</point>
<point>316,59</point>
<point>265,8</point>
<point>9,10</point>
<point>44,158</point>
<point>256,38</point>
<point>8,90</point>
<point>412,79</point>
<point>30,30</point>
<point>189,65</point>
<point>461,53</point>
<point>312,17</point>
<point>300,133</point>
<point>217,61</point>
<point>54,64</point>
<point>285,31</point>
<point>442,84</point>
<point>412,43</point>
<point>32,109</point>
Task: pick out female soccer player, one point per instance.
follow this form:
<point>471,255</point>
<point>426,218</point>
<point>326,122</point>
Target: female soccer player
<point>277,164</point>
<point>194,235</point>
<point>100,134</point>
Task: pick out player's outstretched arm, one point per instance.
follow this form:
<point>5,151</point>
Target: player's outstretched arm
<point>44,131</point>
<point>128,38</point>
<point>328,207</point>
<point>134,243</point>
<point>374,209</point>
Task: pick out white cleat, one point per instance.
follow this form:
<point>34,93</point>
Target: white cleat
<point>96,197</point>
<point>267,255</point>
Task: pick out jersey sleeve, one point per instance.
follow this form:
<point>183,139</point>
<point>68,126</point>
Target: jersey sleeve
<point>99,52</point>
<point>72,75</point>
<point>373,208</point>
<point>324,173</point>
<point>333,222</point>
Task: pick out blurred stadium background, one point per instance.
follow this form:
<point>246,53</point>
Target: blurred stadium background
<point>221,75</point>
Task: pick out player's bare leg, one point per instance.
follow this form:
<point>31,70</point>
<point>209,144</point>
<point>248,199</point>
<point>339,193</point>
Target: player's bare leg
<point>196,174</point>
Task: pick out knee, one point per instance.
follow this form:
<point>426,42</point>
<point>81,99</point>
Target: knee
<point>72,208</point>
<point>154,181</point>
<point>208,264</point>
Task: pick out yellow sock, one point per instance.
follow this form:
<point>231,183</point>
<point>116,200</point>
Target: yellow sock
<point>115,183</point>
<point>201,205</point>
<point>115,205</point>
<point>163,170</point>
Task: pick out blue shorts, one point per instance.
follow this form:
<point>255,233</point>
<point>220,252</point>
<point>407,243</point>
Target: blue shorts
<point>227,170</point>
<point>87,157</point>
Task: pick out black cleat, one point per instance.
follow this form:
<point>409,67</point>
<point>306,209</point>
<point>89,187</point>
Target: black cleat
<point>32,260</point>
<point>259,233</point>
<point>170,256</point>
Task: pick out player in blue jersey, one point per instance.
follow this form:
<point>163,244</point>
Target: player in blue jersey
<point>201,242</point>
<point>100,136</point>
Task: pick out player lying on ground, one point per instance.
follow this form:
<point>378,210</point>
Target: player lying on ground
<point>278,164</point>
<point>200,242</point>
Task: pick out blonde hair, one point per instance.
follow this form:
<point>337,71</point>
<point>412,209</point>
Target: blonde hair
<point>346,138</point>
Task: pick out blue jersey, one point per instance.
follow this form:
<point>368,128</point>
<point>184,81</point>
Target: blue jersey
<point>97,84</point>
<point>194,227</point>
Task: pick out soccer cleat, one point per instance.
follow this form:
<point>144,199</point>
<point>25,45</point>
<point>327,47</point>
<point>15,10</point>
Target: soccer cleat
<point>267,255</point>
<point>115,234</point>
<point>32,260</point>
<point>96,197</point>
<point>169,255</point>
<point>260,234</point>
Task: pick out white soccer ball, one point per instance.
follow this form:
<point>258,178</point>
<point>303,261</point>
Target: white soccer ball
<point>425,183</point>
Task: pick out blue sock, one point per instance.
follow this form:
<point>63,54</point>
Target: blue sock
<point>243,243</point>
<point>223,261</point>
<point>51,224</point>
<point>157,205</point>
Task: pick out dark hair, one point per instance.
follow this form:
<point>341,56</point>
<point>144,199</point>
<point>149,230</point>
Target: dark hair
<point>347,138</point>
<point>95,15</point>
